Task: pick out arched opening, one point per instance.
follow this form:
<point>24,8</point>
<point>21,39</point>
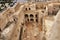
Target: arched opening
<point>29,8</point>
<point>36,20</point>
<point>0,30</point>
<point>26,9</point>
<point>42,11</point>
<point>26,15</point>
<point>31,15</point>
<point>27,19</point>
<point>31,19</point>
<point>44,7</point>
<point>54,12</point>
<point>36,16</point>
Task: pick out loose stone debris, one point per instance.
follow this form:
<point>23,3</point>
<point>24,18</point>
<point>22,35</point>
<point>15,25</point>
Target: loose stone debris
<point>31,21</point>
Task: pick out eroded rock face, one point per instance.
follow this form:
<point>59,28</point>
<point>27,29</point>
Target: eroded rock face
<point>55,30</point>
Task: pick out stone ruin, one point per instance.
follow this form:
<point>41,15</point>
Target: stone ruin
<point>30,21</point>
